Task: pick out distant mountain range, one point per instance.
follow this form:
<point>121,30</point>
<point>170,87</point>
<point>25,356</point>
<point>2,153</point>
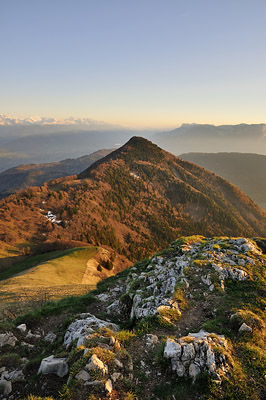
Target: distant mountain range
<point>42,140</point>
<point>135,200</point>
<point>27,175</point>
<point>247,171</point>
<point>242,138</point>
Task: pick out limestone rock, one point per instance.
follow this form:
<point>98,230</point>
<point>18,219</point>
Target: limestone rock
<point>31,335</point>
<point>50,337</point>
<point>16,376</point>
<point>81,328</point>
<point>103,296</point>
<point>83,376</point>
<point>244,328</point>
<point>115,376</point>
<point>197,355</point>
<point>7,339</point>
<point>5,387</point>
<point>52,365</point>
<point>96,363</point>
<point>172,349</point>
<point>193,370</point>
<point>109,386</point>
<point>22,328</point>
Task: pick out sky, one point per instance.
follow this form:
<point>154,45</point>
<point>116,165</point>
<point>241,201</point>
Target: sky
<point>139,63</point>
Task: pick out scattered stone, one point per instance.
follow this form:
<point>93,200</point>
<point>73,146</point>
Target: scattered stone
<point>30,346</point>
<point>50,337</point>
<point>96,363</point>
<point>31,335</point>
<point>83,376</point>
<point>22,328</point>
<point>151,340</point>
<point>7,339</point>
<point>115,376</point>
<point>244,328</point>
<point>16,376</point>
<point>52,365</point>
<point>5,387</point>
<point>118,363</point>
<point>109,386</point>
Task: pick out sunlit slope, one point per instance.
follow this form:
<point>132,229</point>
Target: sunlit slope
<point>66,274</point>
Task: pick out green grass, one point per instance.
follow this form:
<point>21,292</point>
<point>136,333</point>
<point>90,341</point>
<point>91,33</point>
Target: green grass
<point>59,268</point>
<point>35,261</point>
<point>71,304</point>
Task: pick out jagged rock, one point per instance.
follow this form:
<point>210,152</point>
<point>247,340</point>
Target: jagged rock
<point>83,376</point>
<point>189,359</point>
<point>16,376</point>
<point>109,386</point>
<point>52,365</point>
<point>7,339</point>
<point>178,367</point>
<point>115,376</point>
<point>193,370</point>
<point>96,363</point>
<point>206,280</point>
<point>188,352</point>
<point>244,328</point>
<point>30,346</point>
<point>172,349</point>
<point>103,296</point>
<point>31,335</point>
<point>81,328</point>
<point>151,340</point>
<point>50,337</point>
<point>114,308</point>
<point>22,328</point>
<point>5,387</point>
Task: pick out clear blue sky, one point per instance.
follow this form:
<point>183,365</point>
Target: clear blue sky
<point>134,62</point>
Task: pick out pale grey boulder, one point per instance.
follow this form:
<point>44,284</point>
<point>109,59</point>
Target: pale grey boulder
<point>53,365</point>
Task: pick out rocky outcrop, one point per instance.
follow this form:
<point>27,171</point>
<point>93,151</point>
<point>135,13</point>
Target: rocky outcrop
<point>82,328</point>
<point>153,291</point>
<point>196,353</point>
<point>93,356</point>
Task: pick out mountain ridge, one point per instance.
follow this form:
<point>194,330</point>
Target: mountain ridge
<point>135,200</point>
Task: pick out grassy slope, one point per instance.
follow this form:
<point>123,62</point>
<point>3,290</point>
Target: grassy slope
<point>65,269</point>
<point>35,261</point>
<point>53,278</point>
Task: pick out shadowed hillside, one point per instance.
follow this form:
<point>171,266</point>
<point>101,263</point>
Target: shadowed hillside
<point>245,170</point>
<point>26,175</point>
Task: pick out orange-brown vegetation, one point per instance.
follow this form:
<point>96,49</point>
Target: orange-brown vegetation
<point>136,200</point>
